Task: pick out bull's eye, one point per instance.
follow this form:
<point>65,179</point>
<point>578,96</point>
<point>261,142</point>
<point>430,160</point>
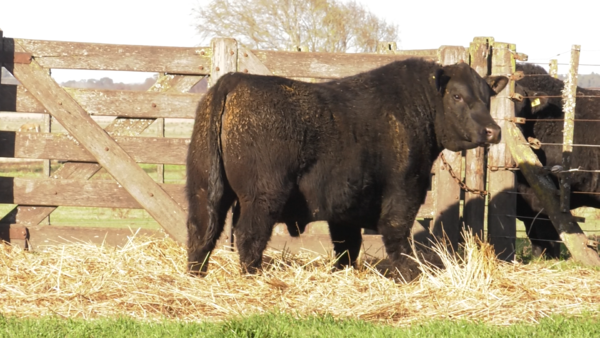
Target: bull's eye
<point>457,97</point>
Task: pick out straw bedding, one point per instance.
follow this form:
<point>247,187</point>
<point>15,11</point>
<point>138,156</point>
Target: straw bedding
<point>146,279</point>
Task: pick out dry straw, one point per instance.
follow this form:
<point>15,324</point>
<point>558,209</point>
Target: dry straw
<point>146,279</point>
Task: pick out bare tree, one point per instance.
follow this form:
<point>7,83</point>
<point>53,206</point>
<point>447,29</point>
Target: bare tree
<point>321,25</point>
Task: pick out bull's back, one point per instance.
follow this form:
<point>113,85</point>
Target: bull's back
<point>271,125</point>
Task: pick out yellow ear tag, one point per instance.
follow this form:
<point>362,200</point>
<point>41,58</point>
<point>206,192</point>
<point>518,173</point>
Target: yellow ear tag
<point>535,102</point>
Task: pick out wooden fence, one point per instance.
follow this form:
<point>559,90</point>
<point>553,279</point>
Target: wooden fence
<point>118,148</point>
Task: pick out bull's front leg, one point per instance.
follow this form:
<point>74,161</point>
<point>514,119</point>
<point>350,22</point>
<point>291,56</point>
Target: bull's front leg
<point>397,218</point>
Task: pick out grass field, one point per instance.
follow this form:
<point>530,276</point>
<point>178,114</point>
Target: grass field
<point>283,325</point>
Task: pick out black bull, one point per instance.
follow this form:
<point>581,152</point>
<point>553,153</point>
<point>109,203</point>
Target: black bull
<point>543,102</point>
<point>355,152</point>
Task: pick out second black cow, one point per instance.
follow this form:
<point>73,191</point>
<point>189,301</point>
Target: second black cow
<point>543,106</point>
<point>355,152</point>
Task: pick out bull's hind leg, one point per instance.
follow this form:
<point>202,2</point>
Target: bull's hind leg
<point>347,240</point>
<point>201,239</point>
<point>255,225</point>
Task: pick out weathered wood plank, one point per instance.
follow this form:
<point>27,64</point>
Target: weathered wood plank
<point>80,55</point>
<point>545,190</point>
<point>569,101</point>
<point>423,53</point>
<point>132,104</point>
<point>76,193</point>
<point>108,153</point>
<point>474,207</point>
<point>324,65</point>
<point>250,63</point>
<point>56,146</point>
<point>447,190</point>
<point>18,99</point>
<point>427,209</point>
<point>502,205</point>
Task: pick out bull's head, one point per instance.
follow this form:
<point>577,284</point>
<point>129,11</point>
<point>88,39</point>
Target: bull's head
<point>533,102</point>
<point>466,121</point>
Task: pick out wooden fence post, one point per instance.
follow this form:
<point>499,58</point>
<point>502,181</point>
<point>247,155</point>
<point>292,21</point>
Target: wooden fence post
<point>474,208</point>
<point>502,202</point>
<point>569,92</point>
<point>386,47</point>
<point>447,190</point>
<point>554,68</point>
<point>224,60</point>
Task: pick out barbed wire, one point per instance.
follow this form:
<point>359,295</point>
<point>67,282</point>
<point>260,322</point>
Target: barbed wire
<point>534,97</point>
<point>535,239</point>
<point>562,144</point>
<point>552,120</point>
<point>560,64</point>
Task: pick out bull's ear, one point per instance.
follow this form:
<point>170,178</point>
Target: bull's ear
<point>441,80</point>
<point>539,101</point>
<point>497,83</point>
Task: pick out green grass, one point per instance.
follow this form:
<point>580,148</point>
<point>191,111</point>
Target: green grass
<point>280,325</point>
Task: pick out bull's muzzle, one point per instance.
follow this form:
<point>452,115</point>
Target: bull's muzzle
<point>492,134</point>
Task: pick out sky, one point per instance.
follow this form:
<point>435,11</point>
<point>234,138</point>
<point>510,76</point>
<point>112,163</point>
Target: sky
<point>541,29</point>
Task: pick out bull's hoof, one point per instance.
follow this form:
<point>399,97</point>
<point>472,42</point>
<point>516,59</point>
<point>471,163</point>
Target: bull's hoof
<point>197,270</point>
<point>406,271</point>
<point>431,258</point>
<point>252,269</point>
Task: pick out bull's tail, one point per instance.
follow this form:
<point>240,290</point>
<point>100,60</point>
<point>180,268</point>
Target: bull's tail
<point>216,174</point>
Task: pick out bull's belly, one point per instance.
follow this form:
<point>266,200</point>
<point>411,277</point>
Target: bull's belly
<point>333,201</point>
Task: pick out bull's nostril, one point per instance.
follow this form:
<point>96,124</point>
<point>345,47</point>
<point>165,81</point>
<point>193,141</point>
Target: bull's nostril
<point>492,135</point>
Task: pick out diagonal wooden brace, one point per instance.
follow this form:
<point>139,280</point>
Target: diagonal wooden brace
<point>109,155</point>
<point>571,234</point>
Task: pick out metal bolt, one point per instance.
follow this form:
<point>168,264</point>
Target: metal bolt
<point>106,148</point>
<point>245,70</point>
<point>217,69</point>
<point>245,54</point>
<point>60,103</point>
<point>201,67</point>
<point>151,195</point>
<point>202,53</point>
<point>231,53</point>
<point>153,105</point>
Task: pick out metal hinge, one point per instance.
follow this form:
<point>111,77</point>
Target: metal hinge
<point>21,58</point>
<point>518,120</point>
<point>516,76</point>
